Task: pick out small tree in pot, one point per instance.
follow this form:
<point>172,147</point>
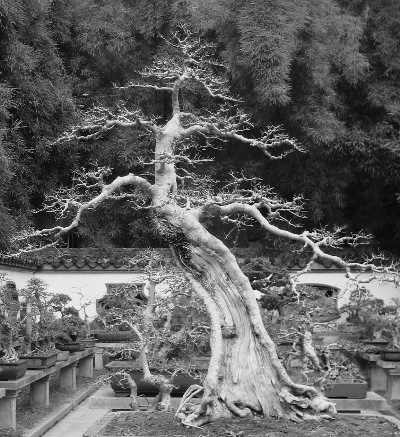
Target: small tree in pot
<point>164,339</point>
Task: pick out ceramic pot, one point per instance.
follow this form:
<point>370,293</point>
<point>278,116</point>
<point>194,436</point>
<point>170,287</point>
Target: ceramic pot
<point>40,361</point>
<point>13,371</point>
<point>89,342</point>
<point>121,386</point>
<point>347,390</point>
<point>115,336</point>
<point>70,347</point>
<point>390,355</point>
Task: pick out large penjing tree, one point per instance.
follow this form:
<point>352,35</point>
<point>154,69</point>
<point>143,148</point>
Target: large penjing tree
<point>244,375</point>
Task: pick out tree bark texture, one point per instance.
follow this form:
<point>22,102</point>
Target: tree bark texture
<point>245,375</point>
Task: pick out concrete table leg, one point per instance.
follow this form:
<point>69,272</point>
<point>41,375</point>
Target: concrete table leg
<point>86,366</point>
<point>8,410</point>
<point>98,358</point>
<point>40,392</point>
<point>393,385</point>
<point>378,378</point>
<point>68,377</point>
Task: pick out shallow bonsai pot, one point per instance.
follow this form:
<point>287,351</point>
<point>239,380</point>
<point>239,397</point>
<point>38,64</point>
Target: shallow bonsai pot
<point>40,361</point>
<point>115,336</point>
<point>13,371</point>
<point>390,355</point>
<point>377,343</point>
<point>347,390</point>
<point>89,342</point>
<point>70,347</point>
<point>121,386</point>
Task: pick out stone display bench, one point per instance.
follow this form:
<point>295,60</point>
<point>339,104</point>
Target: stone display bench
<point>384,376</point>
<point>392,373</point>
<point>39,382</point>
<point>100,353</point>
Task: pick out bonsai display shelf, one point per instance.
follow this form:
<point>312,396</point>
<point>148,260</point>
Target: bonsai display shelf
<point>38,380</point>
<point>385,377</point>
<point>101,356</point>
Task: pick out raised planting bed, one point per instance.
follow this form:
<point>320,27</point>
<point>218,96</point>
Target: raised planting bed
<point>13,371</point>
<point>133,424</point>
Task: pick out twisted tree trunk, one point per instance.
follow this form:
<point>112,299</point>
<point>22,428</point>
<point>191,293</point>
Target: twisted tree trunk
<point>245,375</point>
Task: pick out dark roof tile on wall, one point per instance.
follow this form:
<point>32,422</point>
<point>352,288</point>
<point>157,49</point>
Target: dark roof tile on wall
<point>90,259</point>
<point>18,261</point>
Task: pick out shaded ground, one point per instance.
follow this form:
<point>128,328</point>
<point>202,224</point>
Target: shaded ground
<point>163,424</point>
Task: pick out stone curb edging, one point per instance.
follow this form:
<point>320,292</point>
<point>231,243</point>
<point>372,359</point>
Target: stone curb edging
<point>55,417</point>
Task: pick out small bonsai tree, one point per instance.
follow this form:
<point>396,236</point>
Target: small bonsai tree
<point>164,339</point>
<point>38,324</point>
<point>68,321</point>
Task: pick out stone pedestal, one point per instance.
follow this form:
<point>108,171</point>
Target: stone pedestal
<point>8,410</point>
<point>393,384</point>
<point>86,367</point>
<point>378,377</point>
<point>40,392</point>
<point>98,358</point>
<point>68,377</point>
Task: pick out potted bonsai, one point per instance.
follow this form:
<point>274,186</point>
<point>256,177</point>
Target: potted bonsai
<point>69,325</point>
<point>378,323</point>
<point>11,366</point>
<point>37,323</point>
<point>344,378</point>
<point>164,335</point>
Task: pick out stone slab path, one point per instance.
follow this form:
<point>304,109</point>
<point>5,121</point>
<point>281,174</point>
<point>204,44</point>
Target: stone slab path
<point>77,422</point>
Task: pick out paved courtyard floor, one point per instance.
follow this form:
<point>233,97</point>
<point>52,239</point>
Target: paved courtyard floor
<point>77,422</point>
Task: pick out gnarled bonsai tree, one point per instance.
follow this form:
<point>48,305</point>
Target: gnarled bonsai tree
<point>245,375</point>
<point>164,340</point>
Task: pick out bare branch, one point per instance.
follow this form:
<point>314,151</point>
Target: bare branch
<point>307,239</point>
<point>106,191</point>
<point>270,139</point>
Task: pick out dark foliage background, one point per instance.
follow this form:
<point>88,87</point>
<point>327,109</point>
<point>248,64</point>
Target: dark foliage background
<point>327,71</point>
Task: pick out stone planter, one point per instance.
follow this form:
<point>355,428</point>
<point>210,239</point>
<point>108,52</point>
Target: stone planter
<point>13,371</point>
<point>62,355</point>
<point>347,390</point>
<point>121,386</point>
<point>390,355</point>
<point>40,361</point>
<point>70,347</point>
